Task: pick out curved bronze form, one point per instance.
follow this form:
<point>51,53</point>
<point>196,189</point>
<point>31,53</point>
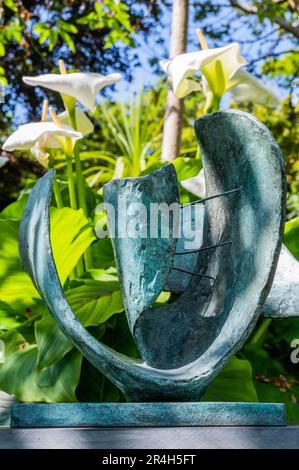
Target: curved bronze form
<point>186,343</point>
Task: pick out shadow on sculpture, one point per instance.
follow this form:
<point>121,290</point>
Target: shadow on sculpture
<point>221,285</point>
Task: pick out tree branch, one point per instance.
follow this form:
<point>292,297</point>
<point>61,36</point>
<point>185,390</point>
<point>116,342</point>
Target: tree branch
<point>253,10</point>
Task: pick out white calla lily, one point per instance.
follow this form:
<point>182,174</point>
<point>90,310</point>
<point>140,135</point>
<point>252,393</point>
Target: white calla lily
<point>222,72</point>
<point>196,185</point>
<point>27,135</point>
<point>41,156</point>
<point>39,136</point>
<point>82,86</point>
<point>84,124</point>
<point>182,68</point>
<point>252,89</point>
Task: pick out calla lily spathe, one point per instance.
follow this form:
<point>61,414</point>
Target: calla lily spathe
<point>84,87</point>
<point>26,136</point>
<point>222,71</point>
<point>252,89</point>
<point>182,68</point>
<point>84,124</point>
<point>39,136</point>
<point>196,185</point>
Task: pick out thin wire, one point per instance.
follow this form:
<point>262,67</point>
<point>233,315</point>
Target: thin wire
<point>193,273</point>
<point>200,201</point>
<point>203,249</point>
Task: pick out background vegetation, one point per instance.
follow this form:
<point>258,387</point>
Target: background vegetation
<point>110,36</point>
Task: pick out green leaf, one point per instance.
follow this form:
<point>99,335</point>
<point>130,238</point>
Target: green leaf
<point>286,329</point>
<point>102,253</point>
<point>4,81</point>
<point>16,287</point>
<point>9,318</point>
<point>2,49</point>
<point>234,383</point>
<point>70,28</point>
<point>187,167</point>
<point>11,5</point>
<point>53,38</point>
<point>68,40</point>
<point>17,36</point>
<point>271,376</point>
<point>18,375</point>
<point>291,236</point>
<point>15,209</point>
<point>94,387</point>
<point>39,28</point>
<point>71,235</point>
<point>90,309</point>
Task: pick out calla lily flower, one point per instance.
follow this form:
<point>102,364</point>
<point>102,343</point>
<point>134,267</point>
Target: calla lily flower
<point>82,86</point>
<point>251,89</point>
<point>84,124</point>
<point>196,185</point>
<point>182,68</point>
<point>39,136</point>
<point>222,72</point>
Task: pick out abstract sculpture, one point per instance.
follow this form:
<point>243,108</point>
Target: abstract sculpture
<point>221,286</point>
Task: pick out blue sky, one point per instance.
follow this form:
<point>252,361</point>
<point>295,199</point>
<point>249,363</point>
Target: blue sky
<point>144,76</point>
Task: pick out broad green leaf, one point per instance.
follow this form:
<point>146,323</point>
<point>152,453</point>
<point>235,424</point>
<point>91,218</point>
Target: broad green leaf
<point>71,235</point>
<point>187,167</point>
<point>15,210</point>
<point>18,374</point>
<point>16,288</point>
<point>9,318</point>
<point>234,383</point>
<point>102,253</point>
<point>291,236</point>
<point>269,379</point>
<point>91,310</point>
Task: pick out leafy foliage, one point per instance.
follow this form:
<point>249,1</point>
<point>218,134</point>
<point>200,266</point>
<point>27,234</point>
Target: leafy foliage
<point>92,34</point>
<point>282,123</point>
<point>41,363</point>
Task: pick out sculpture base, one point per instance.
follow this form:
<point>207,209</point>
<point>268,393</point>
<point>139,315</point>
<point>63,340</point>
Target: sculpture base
<point>147,414</point>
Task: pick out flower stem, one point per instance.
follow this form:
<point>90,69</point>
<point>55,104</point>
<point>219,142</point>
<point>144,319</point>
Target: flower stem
<point>57,194</point>
<point>56,190</point>
<point>80,186</point>
<point>71,182</point>
<point>79,270</point>
<point>260,333</point>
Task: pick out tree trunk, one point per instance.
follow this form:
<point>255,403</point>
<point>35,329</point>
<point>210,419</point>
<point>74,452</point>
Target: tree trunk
<point>174,109</point>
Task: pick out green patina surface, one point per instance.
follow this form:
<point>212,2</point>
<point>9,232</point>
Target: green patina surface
<point>147,414</point>
<point>205,326</point>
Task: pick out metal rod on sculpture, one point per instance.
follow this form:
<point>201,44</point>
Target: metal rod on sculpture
<point>193,273</point>
<point>200,201</point>
<point>210,247</point>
